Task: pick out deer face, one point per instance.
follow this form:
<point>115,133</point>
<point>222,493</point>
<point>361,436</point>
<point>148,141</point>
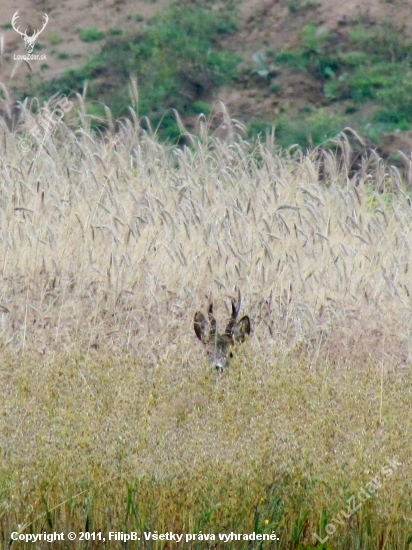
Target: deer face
<point>219,346</point>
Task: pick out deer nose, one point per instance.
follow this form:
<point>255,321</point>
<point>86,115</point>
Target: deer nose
<point>219,363</point>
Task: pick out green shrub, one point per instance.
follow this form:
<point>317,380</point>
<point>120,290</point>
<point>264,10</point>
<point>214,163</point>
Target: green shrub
<point>371,64</point>
<point>62,55</point>
<point>316,53</point>
<point>305,130</point>
<point>91,34</point>
<point>275,87</point>
<point>311,130</point>
<point>72,80</point>
<point>355,58</point>
<point>382,42</point>
<point>397,98</point>
<point>259,127</point>
<point>201,107</point>
<point>164,78</point>
<point>115,32</point>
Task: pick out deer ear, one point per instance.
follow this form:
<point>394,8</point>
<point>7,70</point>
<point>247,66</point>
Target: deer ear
<point>201,326</point>
<point>241,329</point>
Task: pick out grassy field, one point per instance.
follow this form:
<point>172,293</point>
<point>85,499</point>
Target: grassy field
<point>111,420</point>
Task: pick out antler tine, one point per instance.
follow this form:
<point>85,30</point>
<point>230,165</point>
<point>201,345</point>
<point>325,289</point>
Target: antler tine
<point>212,320</point>
<point>235,313</point>
<point>239,303</point>
<point>46,19</point>
<point>13,24</point>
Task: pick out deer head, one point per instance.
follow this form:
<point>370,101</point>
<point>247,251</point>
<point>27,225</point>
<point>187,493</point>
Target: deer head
<point>219,346</point>
<point>29,41</point>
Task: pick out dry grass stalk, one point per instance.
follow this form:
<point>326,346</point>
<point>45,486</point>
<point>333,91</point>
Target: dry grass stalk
<point>108,247</point>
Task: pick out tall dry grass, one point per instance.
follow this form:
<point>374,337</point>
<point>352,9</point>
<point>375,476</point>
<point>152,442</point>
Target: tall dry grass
<point>111,418</point>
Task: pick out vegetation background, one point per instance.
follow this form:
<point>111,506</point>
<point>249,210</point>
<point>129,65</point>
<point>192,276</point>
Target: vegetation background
<point>306,67</point>
<point>115,229</point>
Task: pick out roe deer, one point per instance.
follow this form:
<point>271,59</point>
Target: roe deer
<point>219,346</point>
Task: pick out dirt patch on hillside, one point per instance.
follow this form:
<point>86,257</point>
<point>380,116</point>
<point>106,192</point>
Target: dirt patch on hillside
<point>60,40</point>
<point>279,22</point>
<point>257,100</point>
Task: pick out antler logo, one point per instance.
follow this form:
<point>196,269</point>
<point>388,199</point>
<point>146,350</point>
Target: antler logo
<point>29,41</point>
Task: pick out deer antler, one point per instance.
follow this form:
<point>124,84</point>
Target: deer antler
<point>212,320</point>
<point>46,20</point>
<point>13,24</point>
<point>235,313</point>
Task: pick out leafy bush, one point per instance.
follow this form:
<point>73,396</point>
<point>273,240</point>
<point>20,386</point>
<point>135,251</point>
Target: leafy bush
<point>61,55</point>
<point>201,107</point>
<point>397,98</point>
<point>311,130</point>
<point>382,42</point>
<point>91,34</point>
<point>259,127</point>
<point>175,58</point>
<point>374,66</point>
<point>115,32</point>
<point>307,130</point>
<point>367,80</point>
<point>315,54</point>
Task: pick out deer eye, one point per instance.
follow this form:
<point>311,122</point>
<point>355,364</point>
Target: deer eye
<point>231,355</point>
